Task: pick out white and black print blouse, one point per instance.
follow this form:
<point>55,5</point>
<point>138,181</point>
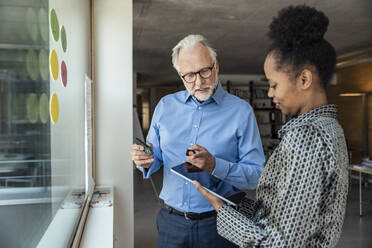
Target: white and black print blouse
<point>301,195</point>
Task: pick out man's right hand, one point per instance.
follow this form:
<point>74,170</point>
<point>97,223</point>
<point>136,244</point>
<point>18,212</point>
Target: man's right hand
<point>140,157</point>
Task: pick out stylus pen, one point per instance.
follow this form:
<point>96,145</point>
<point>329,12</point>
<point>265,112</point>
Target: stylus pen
<point>148,149</point>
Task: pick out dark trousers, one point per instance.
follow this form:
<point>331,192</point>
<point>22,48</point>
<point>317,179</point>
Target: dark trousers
<point>175,231</point>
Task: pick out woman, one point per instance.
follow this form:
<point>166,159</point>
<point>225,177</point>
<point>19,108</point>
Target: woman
<point>301,195</point>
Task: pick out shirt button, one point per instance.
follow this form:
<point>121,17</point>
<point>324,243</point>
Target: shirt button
<point>186,182</point>
<point>185,203</point>
<point>199,108</point>
<point>196,126</point>
<point>191,144</point>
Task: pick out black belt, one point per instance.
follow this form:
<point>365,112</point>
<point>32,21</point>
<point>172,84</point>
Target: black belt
<point>191,215</point>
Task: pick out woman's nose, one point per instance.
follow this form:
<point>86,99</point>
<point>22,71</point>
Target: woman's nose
<point>270,93</point>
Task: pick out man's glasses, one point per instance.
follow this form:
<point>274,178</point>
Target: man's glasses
<point>203,73</point>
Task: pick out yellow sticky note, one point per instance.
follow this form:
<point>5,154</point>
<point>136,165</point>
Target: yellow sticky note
<point>54,67</point>
<point>54,108</point>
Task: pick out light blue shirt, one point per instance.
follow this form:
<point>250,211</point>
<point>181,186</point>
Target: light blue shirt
<point>225,125</point>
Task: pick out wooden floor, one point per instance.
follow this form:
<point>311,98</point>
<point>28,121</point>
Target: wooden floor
<point>357,231</point>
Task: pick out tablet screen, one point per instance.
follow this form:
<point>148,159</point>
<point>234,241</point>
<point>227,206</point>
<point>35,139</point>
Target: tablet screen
<point>182,171</point>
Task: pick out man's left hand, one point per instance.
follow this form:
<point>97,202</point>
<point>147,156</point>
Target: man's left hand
<point>202,159</point>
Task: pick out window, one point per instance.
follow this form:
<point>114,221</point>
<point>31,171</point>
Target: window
<point>44,56</point>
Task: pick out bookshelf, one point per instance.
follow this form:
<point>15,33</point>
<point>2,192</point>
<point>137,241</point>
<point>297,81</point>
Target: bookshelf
<point>269,119</point>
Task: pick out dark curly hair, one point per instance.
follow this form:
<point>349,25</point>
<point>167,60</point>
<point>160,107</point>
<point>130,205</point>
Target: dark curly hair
<point>297,42</point>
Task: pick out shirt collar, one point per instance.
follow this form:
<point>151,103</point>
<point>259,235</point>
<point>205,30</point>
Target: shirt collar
<point>219,93</point>
<point>327,111</point>
<point>217,96</point>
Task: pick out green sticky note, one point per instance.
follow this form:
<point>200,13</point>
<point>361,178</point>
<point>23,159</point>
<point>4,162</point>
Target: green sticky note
<point>63,39</point>
<point>32,107</point>
<point>43,24</point>
<point>43,64</point>
<point>44,108</point>
<point>32,65</point>
<point>31,24</point>
<point>54,25</point>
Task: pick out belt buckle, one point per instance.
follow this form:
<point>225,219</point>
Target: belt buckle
<point>185,214</point>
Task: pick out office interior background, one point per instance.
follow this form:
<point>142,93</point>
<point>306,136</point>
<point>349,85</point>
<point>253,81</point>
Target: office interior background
<point>48,47</point>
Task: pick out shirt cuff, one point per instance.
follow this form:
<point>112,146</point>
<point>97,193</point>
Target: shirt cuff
<point>221,169</point>
<point>153,168</point>
<point>239,229</point>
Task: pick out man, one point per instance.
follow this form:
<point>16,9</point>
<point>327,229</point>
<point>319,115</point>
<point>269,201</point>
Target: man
<point>220,127</point>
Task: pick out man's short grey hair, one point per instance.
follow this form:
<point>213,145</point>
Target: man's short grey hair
<point>189,41</point>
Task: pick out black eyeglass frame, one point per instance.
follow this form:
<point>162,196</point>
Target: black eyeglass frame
<point>198,72</point>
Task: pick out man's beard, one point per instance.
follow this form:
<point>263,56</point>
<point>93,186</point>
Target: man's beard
<point>206,95</point>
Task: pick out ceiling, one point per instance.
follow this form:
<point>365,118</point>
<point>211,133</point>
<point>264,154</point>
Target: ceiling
<point>237,29</point>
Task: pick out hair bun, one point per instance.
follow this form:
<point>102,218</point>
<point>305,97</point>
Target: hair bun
<point>298,26</point>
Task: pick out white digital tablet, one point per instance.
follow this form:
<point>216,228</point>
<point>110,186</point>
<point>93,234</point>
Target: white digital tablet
<point>233,200</point>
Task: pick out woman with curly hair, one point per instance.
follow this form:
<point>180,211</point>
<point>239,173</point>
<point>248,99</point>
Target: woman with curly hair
<point>301,195</point>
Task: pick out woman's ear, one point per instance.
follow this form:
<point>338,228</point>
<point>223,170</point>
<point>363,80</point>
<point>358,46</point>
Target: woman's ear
<point>305,79</point>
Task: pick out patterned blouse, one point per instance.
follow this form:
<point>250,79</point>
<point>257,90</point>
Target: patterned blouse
<point>301,195</point>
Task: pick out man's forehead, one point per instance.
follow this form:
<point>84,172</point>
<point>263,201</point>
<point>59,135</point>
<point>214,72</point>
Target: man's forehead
<point>194,57</point>
<point>197,49</point>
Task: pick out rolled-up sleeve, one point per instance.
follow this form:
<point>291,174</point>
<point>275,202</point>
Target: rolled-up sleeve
<point>244,173</point>
<point>154,138</point>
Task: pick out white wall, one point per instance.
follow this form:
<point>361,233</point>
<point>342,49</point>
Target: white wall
<point>113,74</point>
